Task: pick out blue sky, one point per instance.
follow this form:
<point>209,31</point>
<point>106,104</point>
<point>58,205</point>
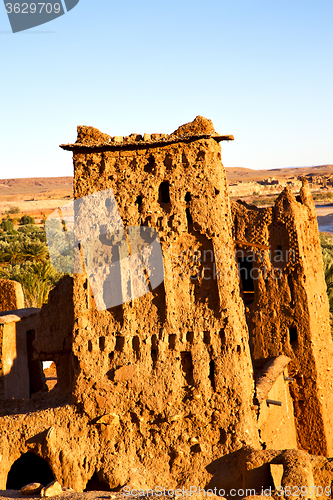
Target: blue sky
<point>261,70</point>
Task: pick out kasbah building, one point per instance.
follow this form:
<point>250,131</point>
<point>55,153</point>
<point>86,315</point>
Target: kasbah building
<point>219,377</point>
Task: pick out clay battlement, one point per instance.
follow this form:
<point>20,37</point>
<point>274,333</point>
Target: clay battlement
<point>92,138</point>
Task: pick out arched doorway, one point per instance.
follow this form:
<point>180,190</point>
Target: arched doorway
<point>29,468</point>
<point>95,484</point>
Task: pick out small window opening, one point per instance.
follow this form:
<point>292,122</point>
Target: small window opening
<point>293,336</point>
<point>164,192</point>
<point>136,343</point>
<point>185,161</point>
<point>138,201</point>
<point>95,484</point>
<point>211,375</point>
<point>35,367</point>
<point>206,337</point>
<point>154,349</point>
<point>292,292</point>
<point>222,335</point>
<point>120,342</point>
<point>50,373</point>
<point>168,161</point>
<point>29,468</point>
<point>90,347</point>
<point>245,267</point>
<point>189,337</point>
<point>101,342</point>
<point>189,217</point>
<point>216,191</point>
<point>136,346</point>
<point>149,167</point>
<point>187,366</point>
<point>172,341</point>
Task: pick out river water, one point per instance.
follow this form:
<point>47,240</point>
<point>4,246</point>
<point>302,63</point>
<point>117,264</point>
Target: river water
<point>325,217</point>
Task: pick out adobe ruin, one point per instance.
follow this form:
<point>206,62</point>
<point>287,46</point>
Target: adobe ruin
<point>182,386</point>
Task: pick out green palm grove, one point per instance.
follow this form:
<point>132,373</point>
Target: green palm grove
<point>326,240</point>
<point>24,257</point>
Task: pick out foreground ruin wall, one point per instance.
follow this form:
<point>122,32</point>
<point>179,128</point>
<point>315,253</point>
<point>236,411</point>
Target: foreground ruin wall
<point>54,331</point>
<point>11,295</point>
<point>287,311</point>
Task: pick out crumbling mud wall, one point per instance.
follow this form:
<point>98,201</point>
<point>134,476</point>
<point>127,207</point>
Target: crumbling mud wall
<point>276,419</point>
<point>176,360</point>
<point>11,295</point>
<point>159,390</point>
<point>54,330</point>
<point>286,305</point>
<point>16,364</point>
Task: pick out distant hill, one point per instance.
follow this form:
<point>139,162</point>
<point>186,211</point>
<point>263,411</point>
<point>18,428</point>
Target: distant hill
<point>35,195</point>
<point>34,185</point>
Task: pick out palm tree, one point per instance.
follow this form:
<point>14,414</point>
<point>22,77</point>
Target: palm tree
<point>37,280</point>
<point>328,272</point>
<point>36,252</point>
<point>13,254</point>
<point>329,284</point>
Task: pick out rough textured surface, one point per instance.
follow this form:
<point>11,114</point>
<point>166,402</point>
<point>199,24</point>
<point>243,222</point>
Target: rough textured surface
<point>287,311</point>
<point>11,295</point>
<point>268,376</point>
<point>54,331</point>
<point>180,374</point>
<point>14,358</point>
<point>277,423</point>
<point>162,387</point>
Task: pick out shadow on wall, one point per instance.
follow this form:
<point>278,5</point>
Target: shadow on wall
<point>20,374</point>
<point>95,484</point>
<point>29,468</point>
<point>230,473</point>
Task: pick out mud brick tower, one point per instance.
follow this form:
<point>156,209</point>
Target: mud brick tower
<point>287,308</point>
<point>172,369</point>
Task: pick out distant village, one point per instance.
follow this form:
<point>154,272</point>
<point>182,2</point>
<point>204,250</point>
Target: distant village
<point>273,185</point>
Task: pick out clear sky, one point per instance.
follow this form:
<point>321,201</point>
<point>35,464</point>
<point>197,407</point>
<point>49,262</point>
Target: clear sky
<point>262,70</point>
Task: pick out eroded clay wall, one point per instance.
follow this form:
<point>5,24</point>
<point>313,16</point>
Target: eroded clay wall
<point>287,311</point>
<point>170,371</point>
<point>54,330</point>
<point>11,295</point>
